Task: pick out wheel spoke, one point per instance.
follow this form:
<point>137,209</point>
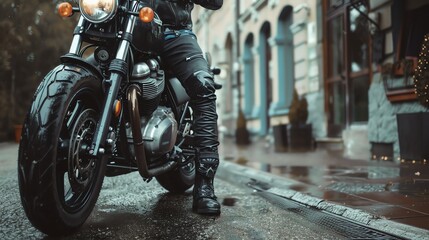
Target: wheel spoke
<point>68,192</point>
<point>74,114</point>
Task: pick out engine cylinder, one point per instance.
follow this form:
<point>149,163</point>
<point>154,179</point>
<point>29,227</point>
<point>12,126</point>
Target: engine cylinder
<point>151,82</point>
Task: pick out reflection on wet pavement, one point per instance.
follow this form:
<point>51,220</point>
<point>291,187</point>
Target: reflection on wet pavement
<point>393,192</point>
<point>396,191</point>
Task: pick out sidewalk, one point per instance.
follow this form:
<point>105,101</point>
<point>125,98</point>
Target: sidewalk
<point>384,195</point>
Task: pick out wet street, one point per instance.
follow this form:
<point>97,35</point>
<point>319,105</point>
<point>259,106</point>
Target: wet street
<point>129,208</point>
<point>389,196</point>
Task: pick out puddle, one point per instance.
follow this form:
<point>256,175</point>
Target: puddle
<point>355,188</point>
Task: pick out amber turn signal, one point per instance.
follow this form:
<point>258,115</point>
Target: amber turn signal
<point>117,108</point>
<point>146,14</point>
<point>65,9</point>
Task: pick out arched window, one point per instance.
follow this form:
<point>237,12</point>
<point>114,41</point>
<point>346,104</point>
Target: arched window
<point>283,42</point>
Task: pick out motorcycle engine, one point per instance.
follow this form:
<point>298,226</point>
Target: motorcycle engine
<point>151,80</point>
<point>159,132</point>
<point>159,127</point>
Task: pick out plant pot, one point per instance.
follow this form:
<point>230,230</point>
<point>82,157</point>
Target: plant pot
<point>280,138</point>
<point>242,136</point>
<point>413,135</point>
<point>382,151</point>
<point>300,137</point>
<point>17,132</point>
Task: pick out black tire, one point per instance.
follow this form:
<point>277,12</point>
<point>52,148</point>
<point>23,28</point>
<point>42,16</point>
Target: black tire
<point>59,184</point>
<point>180,179</point>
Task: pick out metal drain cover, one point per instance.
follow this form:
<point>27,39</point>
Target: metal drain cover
<point>335,223</point>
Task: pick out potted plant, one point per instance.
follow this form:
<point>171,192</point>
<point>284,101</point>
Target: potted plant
<point>300,136</point>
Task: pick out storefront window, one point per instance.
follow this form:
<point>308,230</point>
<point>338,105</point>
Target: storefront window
<point>335,3</point>
<point>337,100</point>
<point>358,39</point>
<point>359,98</point>
<point>347,63</point>
<point>336,46</point>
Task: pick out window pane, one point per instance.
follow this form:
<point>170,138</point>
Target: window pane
<point>358,39</point>
<point>336,46</point>
<point>335,3</point>
<point>337,100</point>
<point>359,99</point>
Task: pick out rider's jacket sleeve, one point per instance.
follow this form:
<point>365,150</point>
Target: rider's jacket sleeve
<point>210,4</point>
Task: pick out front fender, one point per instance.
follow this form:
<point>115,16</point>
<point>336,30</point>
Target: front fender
<point>74,59</point>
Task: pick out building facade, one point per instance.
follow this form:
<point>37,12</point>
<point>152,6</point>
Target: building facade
<point>353,61</point>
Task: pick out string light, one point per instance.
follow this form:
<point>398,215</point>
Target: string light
<point>421,75</point>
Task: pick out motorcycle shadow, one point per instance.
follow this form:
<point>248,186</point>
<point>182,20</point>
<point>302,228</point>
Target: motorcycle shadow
<point>170,216</point>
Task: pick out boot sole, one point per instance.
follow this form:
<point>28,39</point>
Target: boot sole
<point>207,211</point>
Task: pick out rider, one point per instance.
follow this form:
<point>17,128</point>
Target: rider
<point>182,51</point>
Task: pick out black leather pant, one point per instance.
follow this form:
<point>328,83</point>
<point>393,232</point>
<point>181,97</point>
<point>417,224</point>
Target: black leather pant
<point>184,57</point>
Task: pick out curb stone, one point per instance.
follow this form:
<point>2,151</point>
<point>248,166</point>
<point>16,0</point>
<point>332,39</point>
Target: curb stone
<point>242,175</point>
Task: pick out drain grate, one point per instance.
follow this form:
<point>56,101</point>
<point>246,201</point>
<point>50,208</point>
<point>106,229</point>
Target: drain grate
<point>335,223</point>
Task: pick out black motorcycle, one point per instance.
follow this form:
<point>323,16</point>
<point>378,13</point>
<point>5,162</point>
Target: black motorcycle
<point>109,108</point>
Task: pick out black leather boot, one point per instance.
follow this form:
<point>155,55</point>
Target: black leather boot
<point>205,200</point>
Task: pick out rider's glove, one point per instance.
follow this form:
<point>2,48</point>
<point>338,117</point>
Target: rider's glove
<point>209,4</point>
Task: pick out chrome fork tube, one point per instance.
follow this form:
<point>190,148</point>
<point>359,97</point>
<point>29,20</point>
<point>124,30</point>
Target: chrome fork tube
<point>77,38</point>
<point>119,70</point>
<point>124,46</point>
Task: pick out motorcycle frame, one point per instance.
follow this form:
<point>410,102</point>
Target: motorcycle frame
<point>118,70</point>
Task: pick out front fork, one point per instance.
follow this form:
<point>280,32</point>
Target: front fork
<point>118,70</point>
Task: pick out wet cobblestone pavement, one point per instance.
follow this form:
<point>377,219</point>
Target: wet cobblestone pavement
<point>394,191</point>
<point>363,191</point>
<point>128,208</point>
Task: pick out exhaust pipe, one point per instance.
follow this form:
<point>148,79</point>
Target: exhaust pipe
<point>133,106</point>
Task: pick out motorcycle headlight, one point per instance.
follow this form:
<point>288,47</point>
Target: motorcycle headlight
<point>98,11</point>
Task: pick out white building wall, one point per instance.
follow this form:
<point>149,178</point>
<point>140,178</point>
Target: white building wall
<point>214,27</point>
<point>254,13</point>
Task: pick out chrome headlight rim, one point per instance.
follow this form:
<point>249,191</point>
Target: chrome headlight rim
<point>105,18</point>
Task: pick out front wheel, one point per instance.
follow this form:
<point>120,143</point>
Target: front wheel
<point>59,181</point>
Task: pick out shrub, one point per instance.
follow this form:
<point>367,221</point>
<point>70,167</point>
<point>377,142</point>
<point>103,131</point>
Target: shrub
<point>298,112</point>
